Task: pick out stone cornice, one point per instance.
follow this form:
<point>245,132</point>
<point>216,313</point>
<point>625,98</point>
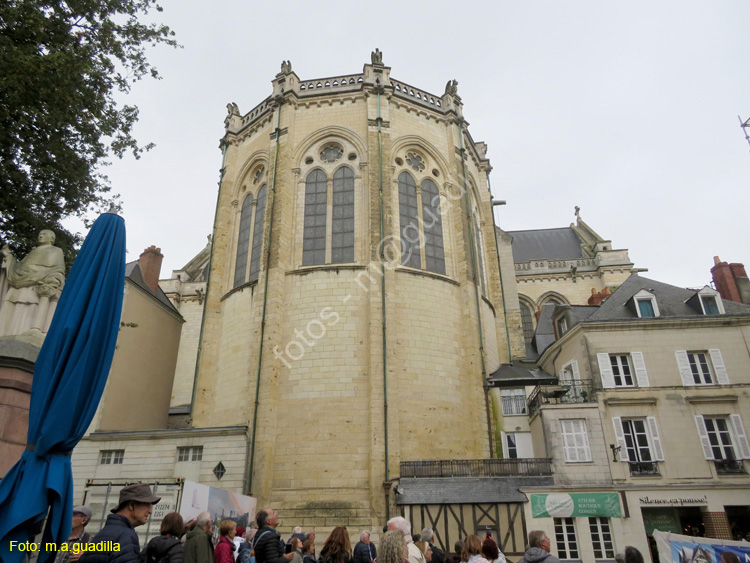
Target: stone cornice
<point>708,399</point>
<point>168,433</point>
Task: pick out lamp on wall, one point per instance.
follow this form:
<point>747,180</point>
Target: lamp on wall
<point>614,449</point>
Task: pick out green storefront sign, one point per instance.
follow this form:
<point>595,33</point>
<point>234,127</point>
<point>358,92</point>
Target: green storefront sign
<point>564,505</point>
<point>662,519</point>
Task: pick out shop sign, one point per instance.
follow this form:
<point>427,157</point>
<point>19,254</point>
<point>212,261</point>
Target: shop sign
<point>564,505</point>
<point>672,501</point>
<point>662,519</point>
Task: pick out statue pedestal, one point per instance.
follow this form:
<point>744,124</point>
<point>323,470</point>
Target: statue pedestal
<point>17,361</point>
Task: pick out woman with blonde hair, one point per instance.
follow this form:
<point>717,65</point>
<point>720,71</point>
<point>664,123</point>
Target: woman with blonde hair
<point>337,548</point>
<point>392,548</point>
<point>224,551</point>
<point>425,548</point>
<point>472,550</point>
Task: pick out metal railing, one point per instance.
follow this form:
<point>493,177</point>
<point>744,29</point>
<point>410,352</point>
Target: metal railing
<point>644,468</point>
<point>725,466</point>
<point>477,467</point>
<point>567,392</point>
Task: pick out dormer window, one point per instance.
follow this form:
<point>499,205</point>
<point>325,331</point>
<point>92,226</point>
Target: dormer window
<point>645,305</point>
<point>562,326</point>
<point>711,303</point>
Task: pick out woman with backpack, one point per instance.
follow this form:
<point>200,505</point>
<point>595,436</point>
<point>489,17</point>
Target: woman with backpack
<point>166,547</point>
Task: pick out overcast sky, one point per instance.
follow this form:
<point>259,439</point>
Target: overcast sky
<point>626,109</point>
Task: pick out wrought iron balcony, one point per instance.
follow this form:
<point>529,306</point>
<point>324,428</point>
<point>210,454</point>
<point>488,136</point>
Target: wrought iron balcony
<point>567,392</point>
<point>477,467</point>
<point>644,468</point>
<point>729,466</point>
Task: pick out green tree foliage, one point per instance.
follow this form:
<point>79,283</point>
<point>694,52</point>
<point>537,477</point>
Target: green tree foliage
<point>62,66</point>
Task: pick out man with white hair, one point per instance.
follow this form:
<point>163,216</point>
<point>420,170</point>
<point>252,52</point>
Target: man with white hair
<point>438,555</point>
<point>401,524</point>
<point>199,545</point>
<point>364,551</point>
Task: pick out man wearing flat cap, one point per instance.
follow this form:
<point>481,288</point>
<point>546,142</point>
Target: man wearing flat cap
<point>135,506</point>
<point>78,535</point>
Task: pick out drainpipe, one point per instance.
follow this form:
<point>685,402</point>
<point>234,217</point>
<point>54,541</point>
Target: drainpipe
<point>500,270</point>
<point>470,225</point>
<point>379,120</point>
<point>265,300</point>
<point>208,281</point>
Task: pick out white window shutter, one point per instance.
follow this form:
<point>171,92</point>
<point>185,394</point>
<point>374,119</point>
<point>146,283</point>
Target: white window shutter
<point>584,449</point>
<point>605,371</point>
<point>722,377</point>
<point>684,365</point>
<point>655,440</point>
<point>703,433</point>
<point>743,446</point>
<point>640,369</point>
<point>568,440</point>
<point>620,438</point>
<point>576,373</point>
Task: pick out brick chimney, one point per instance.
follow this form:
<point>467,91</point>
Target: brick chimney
<point>150,263</point>
<point>726,277</point>
<point>599,298</point>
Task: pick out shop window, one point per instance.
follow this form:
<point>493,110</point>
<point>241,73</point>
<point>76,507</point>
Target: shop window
<point>565,536</point>
<point>601,538</point>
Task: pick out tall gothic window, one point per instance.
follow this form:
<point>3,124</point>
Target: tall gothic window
<point>480,261</point>
<point>243,241</point>
<point>433,227</point>
<point>428,232</point>
<point>528,323</point>
<point>250,236</point>
<point>260,215</point>
<point>409,215</point>
<point>315,233</point>
<point>316,208</point>
<point>342,228</point>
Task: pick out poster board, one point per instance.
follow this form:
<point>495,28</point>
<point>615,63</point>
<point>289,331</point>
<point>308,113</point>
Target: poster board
<point>677,548</point>
<point>221,504</point>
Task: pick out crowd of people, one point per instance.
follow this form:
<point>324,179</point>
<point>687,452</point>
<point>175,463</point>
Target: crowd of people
<point>264,544</point>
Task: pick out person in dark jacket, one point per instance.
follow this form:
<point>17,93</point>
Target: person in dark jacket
<point>268,546</point>
<point>166,547</point>
<point>538,550</point>
<point>364,551</point>
<point>199,544</point>
<point>135,506</point>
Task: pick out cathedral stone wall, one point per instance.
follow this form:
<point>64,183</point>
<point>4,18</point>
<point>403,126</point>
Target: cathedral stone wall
<point>320,438</point>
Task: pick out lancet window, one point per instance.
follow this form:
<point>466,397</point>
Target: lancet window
<point>318,208</point>
<point>421,224</point>
<point>250,237</point>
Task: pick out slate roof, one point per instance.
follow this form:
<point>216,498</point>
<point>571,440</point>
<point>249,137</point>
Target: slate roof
<point>670,299</point>
<point>464,490</point>
<point>133,273</point>
<point>520,373</point>
<point>550,244</point>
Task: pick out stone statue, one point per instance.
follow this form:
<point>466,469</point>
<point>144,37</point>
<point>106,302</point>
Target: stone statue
<point>33,286</point>
<point>376,57</point>
<point>232,109</point>
<point>286,67</point>
<point>451,88</point>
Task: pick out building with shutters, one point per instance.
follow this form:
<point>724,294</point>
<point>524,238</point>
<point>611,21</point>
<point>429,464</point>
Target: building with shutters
<point>652,407</point>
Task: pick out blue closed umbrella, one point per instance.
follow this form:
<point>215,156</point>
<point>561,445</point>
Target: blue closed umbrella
<point>69,379</point>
